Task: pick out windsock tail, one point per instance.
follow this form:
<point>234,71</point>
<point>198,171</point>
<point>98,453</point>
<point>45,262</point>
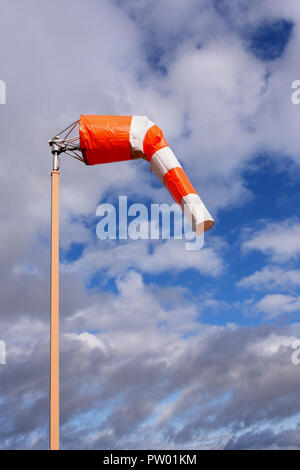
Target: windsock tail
<point>169,171</point>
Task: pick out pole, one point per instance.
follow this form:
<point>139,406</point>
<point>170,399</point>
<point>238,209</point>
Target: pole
<point>54,307</point>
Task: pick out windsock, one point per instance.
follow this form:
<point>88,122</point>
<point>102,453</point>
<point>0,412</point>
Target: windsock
<point>105,139</point>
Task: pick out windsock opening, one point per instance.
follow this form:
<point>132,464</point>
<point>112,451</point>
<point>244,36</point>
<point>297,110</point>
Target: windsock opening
<point>105,139</point>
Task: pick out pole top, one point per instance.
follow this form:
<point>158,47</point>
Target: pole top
<point>57,146</point>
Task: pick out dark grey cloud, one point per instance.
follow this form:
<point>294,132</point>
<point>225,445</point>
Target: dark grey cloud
<point>120,389</point>
<point>267,439</point>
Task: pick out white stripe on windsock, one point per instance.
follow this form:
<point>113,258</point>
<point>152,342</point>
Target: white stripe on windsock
<point>195,212</point>
<point>163,161</point>
<point>138,129</point>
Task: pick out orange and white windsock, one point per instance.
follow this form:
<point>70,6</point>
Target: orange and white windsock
<point>105,139</point>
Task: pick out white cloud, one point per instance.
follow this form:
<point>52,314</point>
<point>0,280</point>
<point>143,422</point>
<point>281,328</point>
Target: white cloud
<point>140,307</point>
<point>272,277</point>
<point>271,345</point>
<point>274,305</point>
<point>279,240</point>
<point>146,256</point>
<point>89,340</point>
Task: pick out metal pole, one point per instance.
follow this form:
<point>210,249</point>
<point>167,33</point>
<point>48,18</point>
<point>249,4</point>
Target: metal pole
<point>54,319</point>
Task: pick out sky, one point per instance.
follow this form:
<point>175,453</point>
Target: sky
<point>161,348</point>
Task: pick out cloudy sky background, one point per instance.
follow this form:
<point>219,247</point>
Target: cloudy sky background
<point>160,347</point>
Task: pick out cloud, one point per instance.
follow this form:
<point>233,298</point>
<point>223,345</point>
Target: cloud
<point>266,440</point>
<point>139,370</point>
<point>276,304</point>
<point>146,256</point>
<point>272,278</point>
<point>278,240</point>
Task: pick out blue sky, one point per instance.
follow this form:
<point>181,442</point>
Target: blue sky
<point>160,347</point>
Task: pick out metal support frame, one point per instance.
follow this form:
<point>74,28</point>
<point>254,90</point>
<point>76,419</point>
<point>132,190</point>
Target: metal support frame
<point>62,143</point>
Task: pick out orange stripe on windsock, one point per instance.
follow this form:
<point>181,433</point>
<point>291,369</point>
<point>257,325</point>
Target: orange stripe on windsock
<point>104,139</point>
<point>154,140</point>
<point>178,184</point>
